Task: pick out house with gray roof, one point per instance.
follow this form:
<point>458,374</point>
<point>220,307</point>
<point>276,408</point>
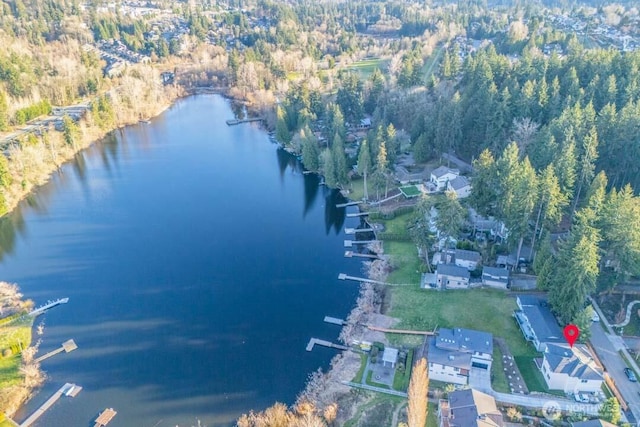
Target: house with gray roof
<point>461,186</point>
<point>495,277</point>
<point>570,369</point>
<point>537,323</point>
<point>453,353</point>
<point>441,176</point>
<point>460,257</point>
<point>451,276</point>
<point>469,408</point>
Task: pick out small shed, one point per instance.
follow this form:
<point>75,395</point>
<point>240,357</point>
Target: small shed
<point>390,356</point>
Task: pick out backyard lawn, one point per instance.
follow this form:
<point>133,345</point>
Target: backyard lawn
<point>366,66</point>
<point>498,377</point>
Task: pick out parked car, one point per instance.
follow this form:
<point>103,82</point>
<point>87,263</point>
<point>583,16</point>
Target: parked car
<point>581,397</point>
<point>630,374</point>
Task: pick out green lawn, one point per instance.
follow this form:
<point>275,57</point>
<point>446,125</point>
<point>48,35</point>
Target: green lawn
<point>432,415</point>
<point>14,334</point>
<point>499,380</point>
<point>405,262</point>
<point>366,67</point>
<point>431,63</point>
<point>370,382</point>
<point>357,189</point>
<point>401,379</point>
<point>363,365</point>
<point>410,191</point>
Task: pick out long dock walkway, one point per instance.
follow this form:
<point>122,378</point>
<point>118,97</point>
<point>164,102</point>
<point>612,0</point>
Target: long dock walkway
<point>68,389</point>
<point>234,122</point>
<point>357,214</point>
<point>357,230</point>
<point>351,254</point>
<point>334,320</point>
<point>343,276</point>
<point>344,205</point>
<point>47,306</point>
<point>315,341</point>
<point>350,243</point>
<point>67,346</point>
<point>400,331</point>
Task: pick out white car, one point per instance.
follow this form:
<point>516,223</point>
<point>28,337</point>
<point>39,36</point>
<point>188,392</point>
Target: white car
<point>583,398</point>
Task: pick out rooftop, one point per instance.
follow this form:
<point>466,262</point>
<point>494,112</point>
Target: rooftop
<point>465,340</point>
<point>471,408</point>
<point>495,272</point>
<point>459,182</point>
<point>443,170</point>
<point>452,270</point>
<point>543,323</point>
<point>574,361</point>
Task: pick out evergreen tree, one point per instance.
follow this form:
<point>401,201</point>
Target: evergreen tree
<point>282,129</point>
<point>339,161</point>
<point>328,168</point>
<point>70,130</point>
<point>310,151</point>
<point>421,149</point>
<point>364,165</point>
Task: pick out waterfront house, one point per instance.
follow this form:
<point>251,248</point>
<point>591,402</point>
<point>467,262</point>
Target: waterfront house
<point>570,369</point>
<point>451,276</point>
<point>460,257</point>
<point>495,277</point>
<point>441,176</point>
<point>469,408</point>
<point>453,353</point>
<point>461,186</point>
<point>537,323</point>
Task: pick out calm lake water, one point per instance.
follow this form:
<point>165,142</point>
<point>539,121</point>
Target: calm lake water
<point>198,260</point>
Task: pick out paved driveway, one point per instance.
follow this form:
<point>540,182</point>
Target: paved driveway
<point>607,348</point>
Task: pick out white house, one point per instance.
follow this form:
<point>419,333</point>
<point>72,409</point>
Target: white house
<point>469,408</point>
<point>570,369</point>
<point>495,277</point>
<point>453,353</point>
<point>451,276</point>
<point>537,323</point>
<point>461,186</point>
<point>441,176</point>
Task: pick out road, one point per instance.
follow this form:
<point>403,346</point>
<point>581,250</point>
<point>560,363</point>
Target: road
<point>607,348</point>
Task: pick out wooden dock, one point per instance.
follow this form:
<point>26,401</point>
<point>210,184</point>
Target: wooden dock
<point>343,276</point>
<point>234,122</point>
<point>68,389</point>
<point>351,243</point>
<point>357,214</point>
<point>105,417</point>
<point>400,331</point>
<point>351,254</point>
<point>344,205</point>
<point>47,306</point>
<point>315,341</point>
<point>67,346</point>
<point>334,320</point>
<point>357,230</point>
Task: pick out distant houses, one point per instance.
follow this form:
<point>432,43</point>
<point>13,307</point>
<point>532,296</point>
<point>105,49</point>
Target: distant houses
<point>461,186</point>
<point>441,176</point>
<point>495,277</point>
<point>460,257</point>
<point>451,276</point>
<point>453,353</point>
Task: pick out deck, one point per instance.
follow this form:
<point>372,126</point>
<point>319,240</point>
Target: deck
<point>351,254</point>
<point>105,417</point>
<point>234,122</point>
<point>343,276</point>
<point>350,243</point>
<point>315,341</point>
<point>67,346</point>
<point>68,389</point>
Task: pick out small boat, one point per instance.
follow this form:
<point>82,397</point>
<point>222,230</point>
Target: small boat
<point>145,121</point>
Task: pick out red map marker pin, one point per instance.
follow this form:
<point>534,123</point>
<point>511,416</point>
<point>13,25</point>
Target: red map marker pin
<point>571,334</point>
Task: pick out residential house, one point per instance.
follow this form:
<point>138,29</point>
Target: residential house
<point>537,323</point>
<point>469,408</point>
<point>451,276</point>
<point>467,259</point>
<point>495,277</point>
<point>453,353</point>
<point>570,369</point>
<point>481,224</point>
<point>461,186</point>
<point>441,176</point>
<point>459,257</point>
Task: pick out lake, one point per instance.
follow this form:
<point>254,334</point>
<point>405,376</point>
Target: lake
<point>198,260</point>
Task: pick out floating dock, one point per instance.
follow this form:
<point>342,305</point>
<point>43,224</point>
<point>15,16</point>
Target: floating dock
<point>350,243</point>
<point>68,389</point>
<point>315,341</point>
<point>351,254</point>
<point>357,230</point>
<point>344,205</point>
<point>67,347</point>
<point>334,320</point>
<point>357,214</point>
<point>47,306</point>
<point>343,276</point>
<point>105,417</point>
<point>234,122</point>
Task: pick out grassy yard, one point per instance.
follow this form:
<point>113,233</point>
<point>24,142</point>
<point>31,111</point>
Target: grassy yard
<point>363,365</point>
<point>366,66</point>
<point>14,334</point>
<point>432,415</point>
<point>499,378</point>
<point>410,191</point>
<point>431,63</point>
<point>370,382</point>
<point>405,262</point>
<point>401,379</point>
